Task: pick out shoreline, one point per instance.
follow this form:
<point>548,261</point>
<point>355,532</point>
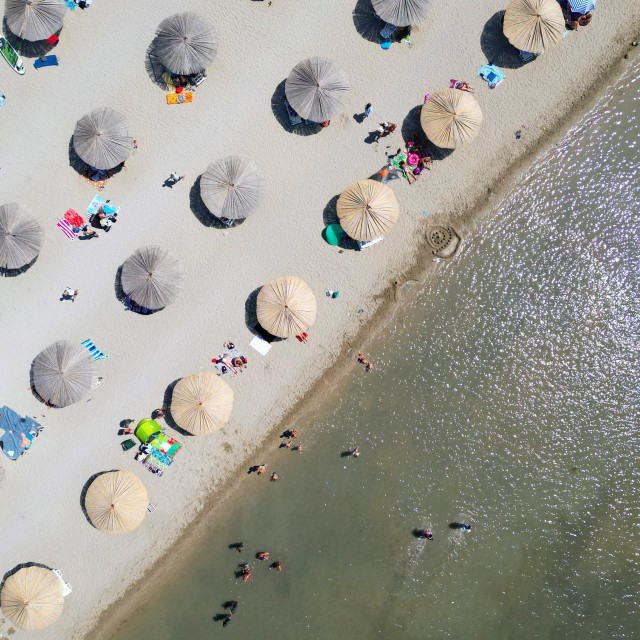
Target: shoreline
<point>423,271</point>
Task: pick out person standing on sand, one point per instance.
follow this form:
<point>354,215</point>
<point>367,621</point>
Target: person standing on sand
<point>69,294</point>
<point>367,110</point>
<point>261,469</point>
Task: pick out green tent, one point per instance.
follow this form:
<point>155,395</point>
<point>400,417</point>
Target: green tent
<point>147,429</point>
<point>333,234</point>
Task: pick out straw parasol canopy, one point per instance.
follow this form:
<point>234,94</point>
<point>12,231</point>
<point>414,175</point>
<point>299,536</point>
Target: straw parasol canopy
<point>186,43</point>
<point>63,373</point>
<point>286,307</point>
<point>316,89</point>
<point>102,138</point>
<point>201,403</point>
<point>34,19</point>
<point>116,502</point>
<point>401,13</point>
<point>367,210</point>
<point>32,598</point>
<point>231,187</point>
<point>152,276</point>
<point>533,25</point>
<point>451,118</point>
<point>21,236</point>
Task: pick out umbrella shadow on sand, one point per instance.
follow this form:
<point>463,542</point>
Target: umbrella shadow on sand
<point>83,493</point>
<point>251,318</point>
<point>27,48</point>
<point>280,113</point>
<point>200,211</point>
<point>154,67</point>
<point>166,407</point>
<point>366,22</point>
<point>12,273</point>
<point>496,47</point>
<point>19,567</point>
<point>412,130</point>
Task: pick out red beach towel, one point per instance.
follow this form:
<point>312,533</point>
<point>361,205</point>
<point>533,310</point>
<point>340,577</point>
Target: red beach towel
<point>74,218</point>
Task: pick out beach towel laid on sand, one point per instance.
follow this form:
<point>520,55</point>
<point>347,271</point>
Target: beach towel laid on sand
<point>74,218</point>
<point>491,74</point>
<point>67,229</point>
<point>49,61</point>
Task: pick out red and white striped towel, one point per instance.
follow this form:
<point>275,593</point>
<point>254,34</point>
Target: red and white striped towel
<point>66,228</point>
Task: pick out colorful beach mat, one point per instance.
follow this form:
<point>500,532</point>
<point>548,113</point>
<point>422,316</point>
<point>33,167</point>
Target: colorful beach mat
<point>179,98</point>
<point>67,229</point>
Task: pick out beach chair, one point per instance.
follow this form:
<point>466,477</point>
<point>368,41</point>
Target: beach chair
<point>365,245</point>
<point>294,118</point>
<point>527,55</point>
<point>53,40</point>
<point>128,444</point>
<point>96,354</point>
<point>46,61</point>
<point>388,30</point>
<point>66,587</point>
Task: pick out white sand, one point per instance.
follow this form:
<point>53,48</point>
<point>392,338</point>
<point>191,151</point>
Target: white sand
<point>102,53</point>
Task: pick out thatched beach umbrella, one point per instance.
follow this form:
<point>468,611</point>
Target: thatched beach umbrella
<point>21,236</point>
<point>31,598</point>
<point>401,13</point>
<point>102,138</point>
<point>286,307</point>
<point>34,19</point>
<point>316,89</point>
<point>533,25</point>
<point>231,187</point>
<point>201,403</point>
<point>152,277</point>
<point>116,502</point>
<point>367,210</point>
<point>451,118</point>
<point>185,43</point>
<point>63,373</point>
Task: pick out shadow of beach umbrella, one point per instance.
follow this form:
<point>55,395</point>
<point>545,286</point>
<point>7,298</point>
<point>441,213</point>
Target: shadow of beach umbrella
<point>201,403</point>
<point>34,19</point>
<point>152,276</point>
<point>21,236</point>
<point>451,118</point>
<point>116,502</point>
<point>316,89</point>
<point>185,43</point>
<point>63,373</point>
<point>286,307</point>
<point>31,598</point>
<point>401,13</point>
<point>231,187</point>
<point>533,25</point>
<point>367,210</point>
<point>102,138</point>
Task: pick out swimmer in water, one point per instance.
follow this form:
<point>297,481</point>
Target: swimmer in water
<point>465,527</point>
<point>274,476</point>
<point>234,606</point>
<point>355,453</point>
<point>263,555</point>
<point>227,620</point>
<point>427,534</point>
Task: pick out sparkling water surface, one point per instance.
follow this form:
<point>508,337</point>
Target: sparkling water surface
<point>507,398</point>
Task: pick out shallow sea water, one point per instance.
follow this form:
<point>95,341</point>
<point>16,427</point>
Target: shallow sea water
<point>507,397</point>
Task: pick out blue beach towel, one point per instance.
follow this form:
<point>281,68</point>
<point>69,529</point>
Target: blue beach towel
<point>491,74</point>
<point>71,4</point>
<point>49,61</point>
